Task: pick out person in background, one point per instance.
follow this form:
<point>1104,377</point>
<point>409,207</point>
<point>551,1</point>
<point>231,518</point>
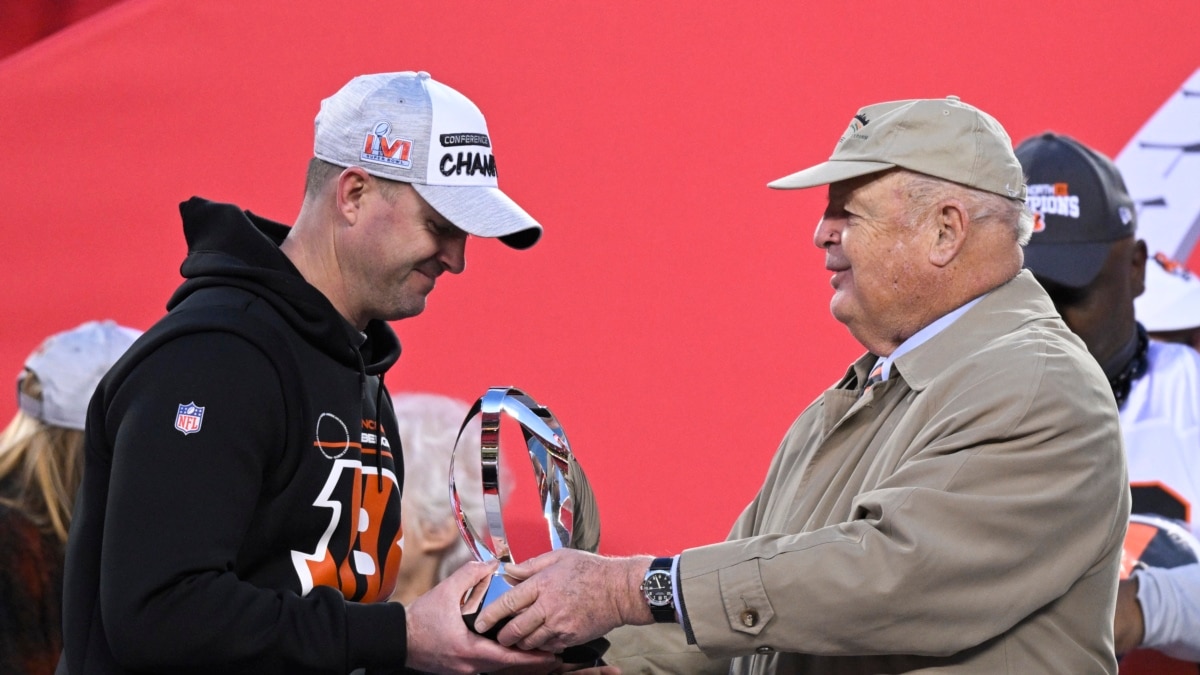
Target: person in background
<point>956,503</point>
<point>428,425</point>
<point>1169,309</point>
<point>41,461</point>
<point>1085,252</point>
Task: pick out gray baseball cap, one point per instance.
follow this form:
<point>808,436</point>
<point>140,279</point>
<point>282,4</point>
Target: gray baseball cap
<point>411,128</point>
<point>1080,207</point>
<point>944,138</point>
<point>69,365</point>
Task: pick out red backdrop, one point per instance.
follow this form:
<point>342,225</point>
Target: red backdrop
<point>675,315</point>
<point>27,21</point>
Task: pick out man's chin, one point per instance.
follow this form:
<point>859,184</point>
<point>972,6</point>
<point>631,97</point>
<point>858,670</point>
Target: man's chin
<point>839,307</point>
<point>407,311</point>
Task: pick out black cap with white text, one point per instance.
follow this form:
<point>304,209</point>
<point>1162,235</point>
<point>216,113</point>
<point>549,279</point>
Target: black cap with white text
<point>1080,207</point>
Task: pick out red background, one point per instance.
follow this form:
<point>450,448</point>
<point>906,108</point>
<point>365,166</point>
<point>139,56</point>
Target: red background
<point>674,316</point>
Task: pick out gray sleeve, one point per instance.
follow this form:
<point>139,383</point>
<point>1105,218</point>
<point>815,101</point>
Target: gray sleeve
<point>1170,600</point>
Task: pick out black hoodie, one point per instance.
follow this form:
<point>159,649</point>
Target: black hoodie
<point>237,512</point>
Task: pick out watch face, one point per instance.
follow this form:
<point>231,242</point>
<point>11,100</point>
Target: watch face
<point>657,588</point>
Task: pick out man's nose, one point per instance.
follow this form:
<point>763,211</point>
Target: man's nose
<point>453,255</point>
<point>828,233</point>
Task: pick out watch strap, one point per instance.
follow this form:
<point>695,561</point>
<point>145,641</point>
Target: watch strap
<point>665,613</point>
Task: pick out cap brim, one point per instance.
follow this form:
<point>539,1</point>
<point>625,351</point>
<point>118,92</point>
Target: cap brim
<point>484,212</point>
<point>828,172</point>
<point>1073,265</point>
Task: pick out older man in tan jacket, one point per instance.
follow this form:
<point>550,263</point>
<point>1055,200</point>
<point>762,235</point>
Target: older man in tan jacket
<point>955,503</point>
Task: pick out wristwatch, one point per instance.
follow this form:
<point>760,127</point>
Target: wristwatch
<point>660,591</point>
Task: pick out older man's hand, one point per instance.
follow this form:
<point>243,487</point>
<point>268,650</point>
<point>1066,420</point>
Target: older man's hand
<point>439,642</point>
<point>568,597</point>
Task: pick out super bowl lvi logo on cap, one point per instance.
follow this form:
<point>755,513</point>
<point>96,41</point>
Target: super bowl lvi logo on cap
<point>379,148</point>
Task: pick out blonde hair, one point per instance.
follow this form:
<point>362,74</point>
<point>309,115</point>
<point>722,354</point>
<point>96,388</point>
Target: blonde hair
<point>41,466</point>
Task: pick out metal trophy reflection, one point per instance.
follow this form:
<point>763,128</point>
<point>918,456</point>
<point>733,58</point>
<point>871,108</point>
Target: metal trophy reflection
<point>564,498</point>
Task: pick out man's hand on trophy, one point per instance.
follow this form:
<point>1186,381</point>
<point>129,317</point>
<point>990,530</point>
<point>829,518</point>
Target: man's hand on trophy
<point>567,598</point>
<point>588,670</point>
<point>439,641</point>
<point>573,668</point>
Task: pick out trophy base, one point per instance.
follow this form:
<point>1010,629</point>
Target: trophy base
<point>588,653</point>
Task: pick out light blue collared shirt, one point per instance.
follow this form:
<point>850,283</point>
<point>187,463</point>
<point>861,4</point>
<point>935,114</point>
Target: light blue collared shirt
<point>920,337</point>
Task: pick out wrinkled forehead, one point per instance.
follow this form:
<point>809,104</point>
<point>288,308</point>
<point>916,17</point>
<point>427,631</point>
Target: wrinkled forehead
<point>844,190</point>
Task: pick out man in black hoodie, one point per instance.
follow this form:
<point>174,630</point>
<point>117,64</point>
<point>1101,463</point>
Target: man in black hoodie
<point>240,510</point>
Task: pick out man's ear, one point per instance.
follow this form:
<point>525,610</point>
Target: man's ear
<point>951,222</point>
<point>351,185</point>
<point>1137,273</point>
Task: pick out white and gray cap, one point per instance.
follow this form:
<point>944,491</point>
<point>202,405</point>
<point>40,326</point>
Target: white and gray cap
<point>69,365</point>
<point>1171,300</point>
<point>411,128</point>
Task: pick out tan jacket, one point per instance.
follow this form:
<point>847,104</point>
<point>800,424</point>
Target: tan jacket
<point>965,516</point>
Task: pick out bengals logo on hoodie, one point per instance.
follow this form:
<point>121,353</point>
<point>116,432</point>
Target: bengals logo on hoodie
<point>359,552</point>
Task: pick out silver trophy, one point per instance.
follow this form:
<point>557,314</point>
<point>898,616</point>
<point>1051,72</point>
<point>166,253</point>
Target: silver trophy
<point>565,498</point>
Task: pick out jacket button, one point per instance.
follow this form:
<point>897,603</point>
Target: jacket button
<point>764,650</point>
<point>749,618</point>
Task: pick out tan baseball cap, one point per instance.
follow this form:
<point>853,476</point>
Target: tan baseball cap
<point>944,138</point>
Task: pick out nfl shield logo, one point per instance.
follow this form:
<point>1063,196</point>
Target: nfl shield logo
<point>189,418</point>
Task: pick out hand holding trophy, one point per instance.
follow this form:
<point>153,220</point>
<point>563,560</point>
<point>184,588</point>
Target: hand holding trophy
<point>565,499</point>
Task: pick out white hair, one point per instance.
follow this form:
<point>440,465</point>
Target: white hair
<point>923,190</point>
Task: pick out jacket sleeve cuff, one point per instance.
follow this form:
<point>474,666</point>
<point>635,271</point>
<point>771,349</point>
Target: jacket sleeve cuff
<point>725,610</point>
<point>377,634</point>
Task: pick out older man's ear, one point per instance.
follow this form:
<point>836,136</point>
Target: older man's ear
<point>951,230</point>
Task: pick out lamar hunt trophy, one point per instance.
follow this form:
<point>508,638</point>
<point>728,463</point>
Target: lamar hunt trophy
<point>565,499</point>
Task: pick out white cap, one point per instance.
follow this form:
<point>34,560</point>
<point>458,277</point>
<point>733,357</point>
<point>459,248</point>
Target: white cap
<point>408,127</point>
<point>1171,300</point>
<point>69,365</point>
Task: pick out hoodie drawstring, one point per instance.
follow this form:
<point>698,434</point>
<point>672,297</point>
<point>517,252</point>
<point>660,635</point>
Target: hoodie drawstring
<point>362,387</point>
<point>379,436</point>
